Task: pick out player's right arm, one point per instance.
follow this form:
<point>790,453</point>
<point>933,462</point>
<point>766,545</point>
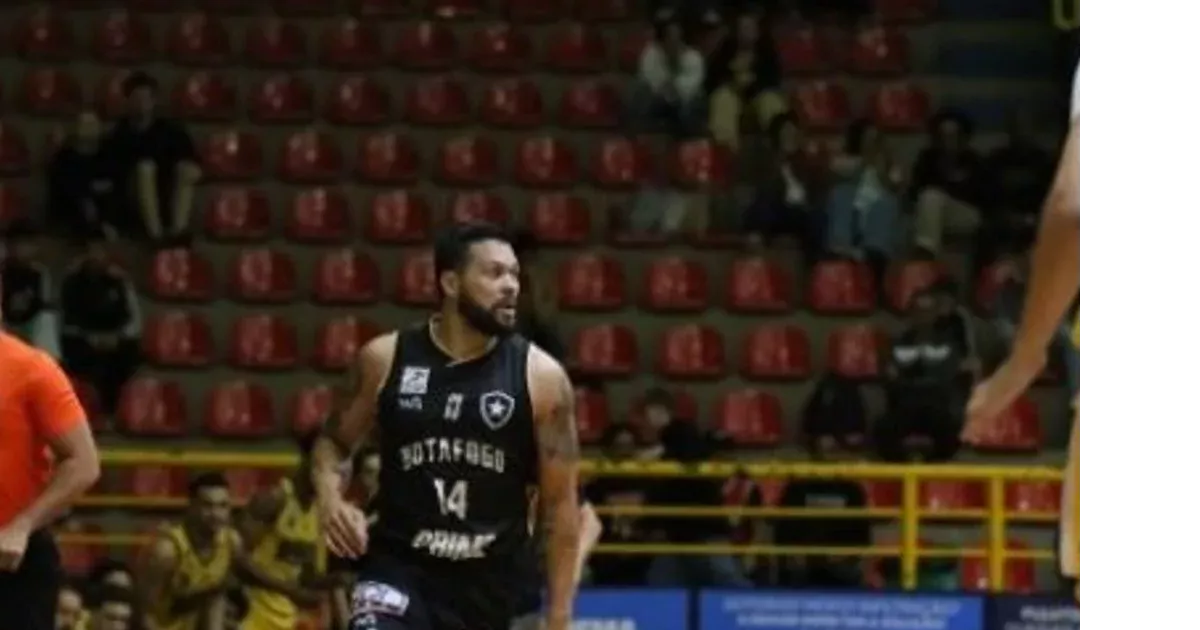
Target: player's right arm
<point>157,567</point>
<point>344,431</point>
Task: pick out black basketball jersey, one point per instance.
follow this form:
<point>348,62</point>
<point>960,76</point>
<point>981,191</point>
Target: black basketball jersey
<point>457,452</point>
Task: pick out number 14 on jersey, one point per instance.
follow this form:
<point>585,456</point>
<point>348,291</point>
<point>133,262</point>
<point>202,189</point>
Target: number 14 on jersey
<point>452,497</point>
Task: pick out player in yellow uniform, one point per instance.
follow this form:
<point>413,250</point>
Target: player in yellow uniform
<point>1053,288</point>
<point>285,563</point>
<point>183,577</point>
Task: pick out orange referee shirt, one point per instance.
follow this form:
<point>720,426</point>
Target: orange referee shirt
<point>37,404</point>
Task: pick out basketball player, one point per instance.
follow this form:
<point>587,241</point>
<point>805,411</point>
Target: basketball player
<point>285,562</point>
<point>188,566</point>
<point>469,414</point>
<point>1053,287</point>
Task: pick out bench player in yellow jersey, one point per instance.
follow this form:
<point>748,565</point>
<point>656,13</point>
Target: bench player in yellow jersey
<point>1053,288</point>
<point>285,568</point>
<point>184,574</point>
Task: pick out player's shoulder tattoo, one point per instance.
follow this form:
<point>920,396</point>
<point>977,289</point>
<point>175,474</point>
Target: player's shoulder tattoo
<point>557,433</point>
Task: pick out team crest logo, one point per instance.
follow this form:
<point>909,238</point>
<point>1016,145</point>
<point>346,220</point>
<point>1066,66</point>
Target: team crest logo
<point>496,409</point>
<point>414,381</point>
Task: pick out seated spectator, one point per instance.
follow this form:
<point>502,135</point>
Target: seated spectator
<point>948,184</point>
<point>620,445</point>
<point>79,186</point>
<point>539,301</point>
<point>864,206</point>
<point>743,72</point>
<point>658,209</point>
<point>70,613</point>
<point>836,409</point>
<point>956,320</point>
<point>924,390</point>
<point>787,201</point>
<point>154,163</point>
<point>26,303</point>
<point>668,90</point>
<point>1018,176</point>
<point>101,323</point>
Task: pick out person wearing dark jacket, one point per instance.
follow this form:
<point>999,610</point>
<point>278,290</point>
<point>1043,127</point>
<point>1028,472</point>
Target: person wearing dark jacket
<point>25,286</point>
<point>79,186</point>
<point>948,183</point>
<point>744,71</point>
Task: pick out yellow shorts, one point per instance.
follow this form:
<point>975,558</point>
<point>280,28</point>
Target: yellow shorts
<point>260,619</point>
<point>1068,543</point>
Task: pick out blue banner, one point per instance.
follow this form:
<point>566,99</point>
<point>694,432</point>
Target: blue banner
<point>797,610</point>
<point>632,609</point>
<point>1014,612</point>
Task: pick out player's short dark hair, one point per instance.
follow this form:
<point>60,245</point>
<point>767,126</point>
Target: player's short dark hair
<point>136,81</point>
<point>453,245</point>
<point>203,481</point>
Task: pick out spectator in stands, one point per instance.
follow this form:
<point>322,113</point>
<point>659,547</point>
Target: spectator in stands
<point>864,205</point>
<point>111,573</point>
<point>27,291</point>
<point>620,445</point>
<point>1018,176</point>
<point>836,409</point>
<point>70,613</point>
<point>101,323</point>
<point>743,72</point>
<point>154,163</point>
<point>79,185</point>
<point>925,396</point>
<point>955,321</point>
<point>948,184</point>
<point>539,300</point>
<point>787,201</point>
<point>114,609</point>
<point>670,79</point>
<point>658,210</point>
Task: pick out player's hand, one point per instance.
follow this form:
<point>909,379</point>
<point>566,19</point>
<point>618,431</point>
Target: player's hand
<point>345,527</point>
<point>14,538</point>
<point>994,395</point>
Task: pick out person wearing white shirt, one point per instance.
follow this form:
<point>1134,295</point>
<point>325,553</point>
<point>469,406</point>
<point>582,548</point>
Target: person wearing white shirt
<point>670,83</point>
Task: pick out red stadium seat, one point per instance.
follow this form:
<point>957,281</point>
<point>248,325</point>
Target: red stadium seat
<point>560,219</point>
<point>951,495</point>
<point>437,101</point>
<point>545,162</point>
<point>879,50</point>
<point>759,285</point>
<point>198,40</point>
<point>177,339</point>
<point>590,104</point>
<point>386,158</point>
<point>478,207</point>
<point>310,407</point>
<point>50,92</point>
<point>239,409</point>
<point>622,164</point>
<point>1020,429</point>
<point>822,106</point>
<point>238,214</point>
<point>469,161</point>
<point>605,350</point>
<point>339,340</point>
<point>12,202</point>
<point>691,351</point>
<point>528,11</point>
<point>605,10</point>
<point>152,408</point>
<point>282,98</point>
<point>456,9</point>
<point>108,95</point>
<point>399,217</point>
<point>14,152</point>
<point>122,37</point>
<point>417,284</point>
<point>841,287</point>
<point>204,96</point>
<point>883,494</point>
<point>273,42</point>
<point>232,155</point>
<point>511,103</point>
<point>909,279</point>
<point>346,276</point>
<point>854,352</point>
<point>358,100</point>
<point>675,284</point>
<point>351,44</point>
<point>573,47</point>
<point>630,53</point>
<point>245,483</point>
<point>992,280</point>
<point>591,282</point>
<point>1020,574</point>
<point>263,342</point>
<point>310,157</point>
<point>776,352</point>
<point>802,50</point>
<point>425,46</point>
<point>181,275</point>
<point>43,35</point>
<point>591,414</point>
<point>1033,497</point>
<point>751,418</point>
<point>701,163</point>
<point>905,10</point>
<point>262,275</point>
<point>500,47</point>
<point>319,215</point>
<point>900,107</point>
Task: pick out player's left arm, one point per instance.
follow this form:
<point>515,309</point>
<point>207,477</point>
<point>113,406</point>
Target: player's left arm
<point>590,530</point>
<point>558,481</point>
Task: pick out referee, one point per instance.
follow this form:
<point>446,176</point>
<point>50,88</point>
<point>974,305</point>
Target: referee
<point>47,459</point>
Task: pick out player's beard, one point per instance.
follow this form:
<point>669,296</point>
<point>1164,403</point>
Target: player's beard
<point>481,318</point>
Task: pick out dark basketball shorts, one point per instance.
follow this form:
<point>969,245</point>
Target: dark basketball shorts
<point>399,594</point>
<point>29,595</point>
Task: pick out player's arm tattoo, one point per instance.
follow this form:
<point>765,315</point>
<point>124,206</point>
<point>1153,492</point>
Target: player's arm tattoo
<point>558,460</point>
<point>353,418</point>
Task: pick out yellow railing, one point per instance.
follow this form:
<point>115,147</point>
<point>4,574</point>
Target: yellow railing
<point>909,513</point>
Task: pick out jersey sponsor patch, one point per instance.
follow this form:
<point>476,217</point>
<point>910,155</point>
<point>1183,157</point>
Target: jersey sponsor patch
<point>496,409</point>
<point>414,381</point>
<point>377,598</point>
